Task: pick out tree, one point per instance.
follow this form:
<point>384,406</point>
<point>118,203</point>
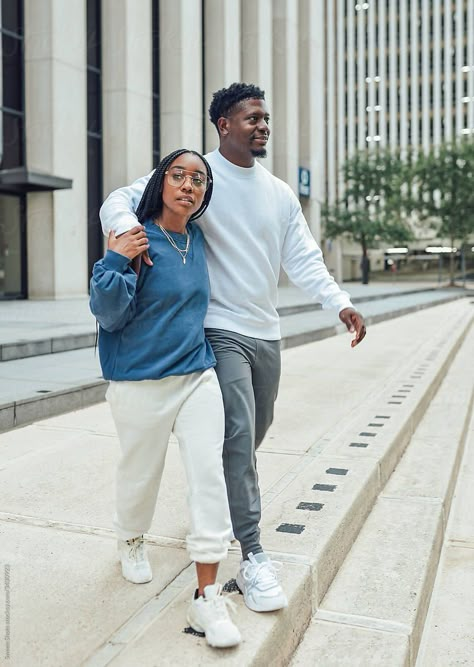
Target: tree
<point>444,191</point>
<point>374,207</point>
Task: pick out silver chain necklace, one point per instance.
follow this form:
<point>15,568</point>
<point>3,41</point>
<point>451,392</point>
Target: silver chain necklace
<point>184,252</point>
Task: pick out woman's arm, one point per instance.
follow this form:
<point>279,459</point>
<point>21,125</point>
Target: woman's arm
<point>113,284</point>
<point>112,291</point>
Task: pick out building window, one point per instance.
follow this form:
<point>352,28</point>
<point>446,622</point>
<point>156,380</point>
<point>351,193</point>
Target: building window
<point>94,132</point>
<point>203,73</point>
<point>12,153</point>
<point>155,13</point>
<point>12,100</point>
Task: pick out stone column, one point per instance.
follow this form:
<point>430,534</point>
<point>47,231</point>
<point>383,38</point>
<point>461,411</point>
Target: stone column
<point>312,144</point>
<point>222,58</point>
<point>180,75</point>
<point>285,91</point>
<point>126,91</point>
<point>55,108</point>
<point>257,46</point>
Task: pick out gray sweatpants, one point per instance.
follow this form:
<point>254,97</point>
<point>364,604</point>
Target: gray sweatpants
<point>248,370</point>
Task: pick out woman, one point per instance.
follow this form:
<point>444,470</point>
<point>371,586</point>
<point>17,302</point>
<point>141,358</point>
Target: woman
<point>162,379</point>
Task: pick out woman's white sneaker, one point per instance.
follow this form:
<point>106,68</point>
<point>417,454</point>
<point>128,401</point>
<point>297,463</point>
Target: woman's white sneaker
<point>209,613</point>
<point>135,565</point>
<point>258,582</point>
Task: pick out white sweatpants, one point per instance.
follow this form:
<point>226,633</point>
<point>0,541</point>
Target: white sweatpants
<point>145,414</point>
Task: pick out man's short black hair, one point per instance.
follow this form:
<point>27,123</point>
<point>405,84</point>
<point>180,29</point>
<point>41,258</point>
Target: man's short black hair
<point>225,99</point>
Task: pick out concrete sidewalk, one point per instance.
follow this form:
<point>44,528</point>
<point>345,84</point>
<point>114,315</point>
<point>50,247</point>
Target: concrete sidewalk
<point>45,321</point>
<point>53,368</point>
<point>68,604</point>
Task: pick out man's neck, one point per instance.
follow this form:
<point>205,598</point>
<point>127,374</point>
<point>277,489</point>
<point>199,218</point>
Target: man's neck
<point>239,160</point>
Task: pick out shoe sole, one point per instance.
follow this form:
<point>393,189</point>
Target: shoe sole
<point>197,628</point>
<point>145,581</point>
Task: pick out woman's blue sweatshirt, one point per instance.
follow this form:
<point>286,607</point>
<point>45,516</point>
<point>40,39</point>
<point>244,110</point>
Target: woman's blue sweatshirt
<point>151,325</point>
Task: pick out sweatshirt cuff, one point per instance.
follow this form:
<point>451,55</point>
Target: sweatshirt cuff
<point>116,262</point>
<point>347,303</point>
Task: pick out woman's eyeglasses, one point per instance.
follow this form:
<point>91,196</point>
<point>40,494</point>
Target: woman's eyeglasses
<point>176,177</point>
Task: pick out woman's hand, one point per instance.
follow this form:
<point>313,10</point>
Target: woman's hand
<point>130,244</point>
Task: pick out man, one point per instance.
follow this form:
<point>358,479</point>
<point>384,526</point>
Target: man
<point>253,225</point>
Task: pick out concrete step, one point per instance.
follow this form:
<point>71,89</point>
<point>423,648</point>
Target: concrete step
<point>51,339</point>
<point>57,501</point>
<point>295,309</point>
<point>374,612</point>
<point>312,513</point>
<point>43,386</point>
<point>49,384</point>
<point>448,636</point>
<point>298,329</point>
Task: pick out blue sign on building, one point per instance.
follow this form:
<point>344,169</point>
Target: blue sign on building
<point>304,182</point>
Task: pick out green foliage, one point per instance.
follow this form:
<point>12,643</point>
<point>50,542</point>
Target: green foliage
<point>385,193</point>
<point>374,207</point>
<point>444,180</point>
<point>444,191</point>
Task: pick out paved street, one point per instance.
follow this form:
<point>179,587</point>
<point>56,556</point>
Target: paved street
<point>339,409</point>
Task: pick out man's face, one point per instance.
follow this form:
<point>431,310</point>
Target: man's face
<point>247,128</point>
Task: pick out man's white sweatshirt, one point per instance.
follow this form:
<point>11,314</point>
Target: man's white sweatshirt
<point>254,224</point>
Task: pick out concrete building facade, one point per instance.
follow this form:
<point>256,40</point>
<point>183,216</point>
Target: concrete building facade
<point>107,86</point>
<point>95,91</point>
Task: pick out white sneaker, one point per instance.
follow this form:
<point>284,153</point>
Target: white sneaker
<point>208,614</point>
<point>257,580</point>
<point>135,565</point>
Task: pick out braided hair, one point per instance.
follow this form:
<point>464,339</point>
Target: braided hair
<point>225,99</point>
<point>151,203</point>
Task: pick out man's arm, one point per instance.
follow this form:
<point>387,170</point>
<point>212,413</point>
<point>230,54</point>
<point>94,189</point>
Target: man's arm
<point>117,213</point>
<point>303,262</point>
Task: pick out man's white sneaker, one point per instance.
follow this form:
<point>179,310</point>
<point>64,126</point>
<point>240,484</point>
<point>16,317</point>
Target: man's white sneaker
<point>258,582</point>
<point>135,565</point>
<point>208,613</point>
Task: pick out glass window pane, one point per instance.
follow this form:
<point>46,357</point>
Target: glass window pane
<point>94,200</point>
<point>93,102</point>
<point>93,33</point>
<point>11,16</point>
<point>156,125</point>
<point>156,80</point>
<point>94,179</point>
<point>12,141</point>
<point>11,247</point>
<point>12,72</point>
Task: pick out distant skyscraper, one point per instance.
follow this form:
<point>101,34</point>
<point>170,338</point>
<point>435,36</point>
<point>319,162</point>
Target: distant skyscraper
<point>399,73</point>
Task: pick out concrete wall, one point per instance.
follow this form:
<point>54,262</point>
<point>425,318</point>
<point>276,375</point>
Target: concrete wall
<point>55,93</point>
<point>322,107</point>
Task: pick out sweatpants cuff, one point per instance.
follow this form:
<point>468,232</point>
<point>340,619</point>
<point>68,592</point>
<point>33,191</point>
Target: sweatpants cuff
<point>210,554</point>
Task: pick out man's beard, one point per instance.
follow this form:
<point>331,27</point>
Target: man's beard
<point>261,152</point>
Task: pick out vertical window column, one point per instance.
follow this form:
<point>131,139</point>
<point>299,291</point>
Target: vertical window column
<point>94,132</point>
<point>155,43</point>
<point>12,150</point>
<point>204,102</point>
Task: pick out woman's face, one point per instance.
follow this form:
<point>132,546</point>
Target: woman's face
<point>184,185</point>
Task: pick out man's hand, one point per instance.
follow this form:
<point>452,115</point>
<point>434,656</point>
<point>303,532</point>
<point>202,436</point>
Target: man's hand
<point>131,244</point>
<point>354,323</point>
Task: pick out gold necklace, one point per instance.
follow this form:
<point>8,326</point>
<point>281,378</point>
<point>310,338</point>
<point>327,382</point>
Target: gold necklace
<point>184,252</point>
